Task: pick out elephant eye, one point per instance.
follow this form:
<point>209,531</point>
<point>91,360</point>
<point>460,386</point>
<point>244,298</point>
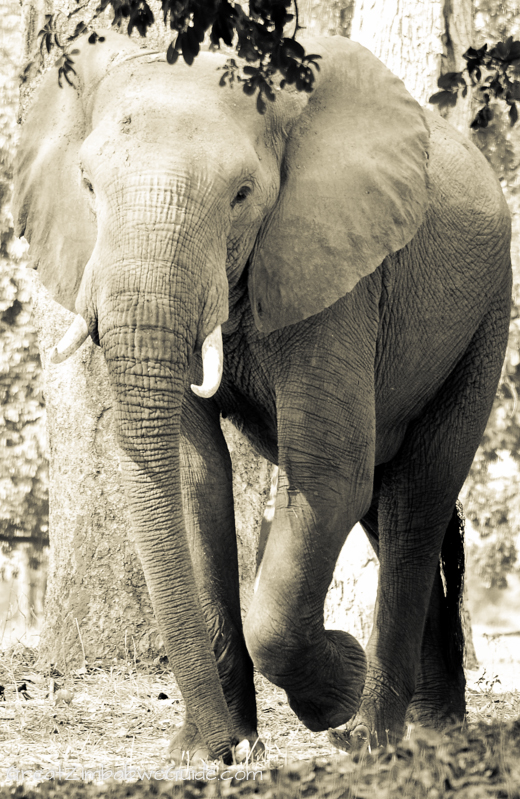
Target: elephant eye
<point>88,185</point>
<point>241,195</point>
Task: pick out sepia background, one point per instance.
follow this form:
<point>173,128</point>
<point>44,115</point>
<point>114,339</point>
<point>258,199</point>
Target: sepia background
<point>94,572</point>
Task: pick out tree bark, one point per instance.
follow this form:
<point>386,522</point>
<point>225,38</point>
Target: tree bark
<point>97,602</point>
<point>326,17</point>
<point>419,40</point>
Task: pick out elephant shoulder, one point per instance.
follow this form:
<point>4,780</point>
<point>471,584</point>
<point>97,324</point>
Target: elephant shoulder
<point>463,188</point>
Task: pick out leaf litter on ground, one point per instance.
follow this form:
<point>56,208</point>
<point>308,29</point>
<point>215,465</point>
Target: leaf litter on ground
<point>98,725</point>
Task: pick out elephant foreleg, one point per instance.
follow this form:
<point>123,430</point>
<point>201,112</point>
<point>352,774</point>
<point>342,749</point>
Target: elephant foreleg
<point>322,492</point>
<point>209,516</point>
<point>322,671</point>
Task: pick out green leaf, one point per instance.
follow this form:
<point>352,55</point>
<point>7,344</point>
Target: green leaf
<point>260,104</point>
<point>250,86</point>
<point>187,52</point>
<point>79,29</point>
<point>294,48</point>
<point>483,118</point>
<point>193,39</point>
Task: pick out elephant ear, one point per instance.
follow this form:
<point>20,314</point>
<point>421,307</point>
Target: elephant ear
<point>353,187</point>
<point>49,205</point>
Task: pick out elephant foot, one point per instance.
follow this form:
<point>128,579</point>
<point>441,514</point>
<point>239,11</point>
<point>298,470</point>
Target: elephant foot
<point>377,723</point>
<point>356,740</point>
<point>436,715</point>
<point>360,737</point>
<point>439,700</point>
<point>337,685</point>
<point>187,747</point>
<point>436,704</point>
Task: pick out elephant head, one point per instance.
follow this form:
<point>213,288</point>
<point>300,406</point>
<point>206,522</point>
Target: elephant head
<point>145,191</point>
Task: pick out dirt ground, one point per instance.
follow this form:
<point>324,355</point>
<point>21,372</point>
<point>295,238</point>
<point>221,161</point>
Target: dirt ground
<point>105,731</point>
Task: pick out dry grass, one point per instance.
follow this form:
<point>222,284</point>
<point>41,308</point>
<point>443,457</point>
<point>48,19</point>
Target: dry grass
<point>115,717</point>
<point>116,721</point>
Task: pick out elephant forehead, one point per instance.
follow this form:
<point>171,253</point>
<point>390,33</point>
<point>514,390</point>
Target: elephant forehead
<point>171,92</point>
<point>158,138</point>
<point>156,115</point>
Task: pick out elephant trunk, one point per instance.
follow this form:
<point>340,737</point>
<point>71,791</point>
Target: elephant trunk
<point>146,346</point>
<point>212,355</point>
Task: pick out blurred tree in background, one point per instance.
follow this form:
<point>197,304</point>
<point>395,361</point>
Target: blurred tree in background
<point>491,495</point>
<point>492,492</point>
<point>23,463</point>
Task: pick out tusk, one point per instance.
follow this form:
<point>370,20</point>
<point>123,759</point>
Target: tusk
<point>212,363</point>
<point>71,341</point>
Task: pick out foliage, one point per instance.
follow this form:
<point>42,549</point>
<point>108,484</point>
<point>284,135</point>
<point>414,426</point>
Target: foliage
<point>23,468</point>
<point>23,465</point>
<point>112,702</point>
<point>492,492</point>
<point>258,37</point>
<point>492,72</point>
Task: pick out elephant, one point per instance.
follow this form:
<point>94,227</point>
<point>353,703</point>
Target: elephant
<point>332,275</point>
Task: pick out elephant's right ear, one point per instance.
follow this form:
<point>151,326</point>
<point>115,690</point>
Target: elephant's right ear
<point>49,205</point>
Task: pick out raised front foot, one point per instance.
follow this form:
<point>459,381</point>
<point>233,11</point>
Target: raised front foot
<point>187,747</point>
<point>334,692</point>
<point>323,682</point>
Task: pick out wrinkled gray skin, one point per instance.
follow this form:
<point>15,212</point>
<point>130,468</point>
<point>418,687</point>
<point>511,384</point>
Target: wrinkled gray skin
<point>365,317</point>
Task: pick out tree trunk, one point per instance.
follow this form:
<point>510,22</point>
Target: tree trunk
<point>251,487</point>
<point>97,600</point>
<point>326,17</point>
<point>419,40</point>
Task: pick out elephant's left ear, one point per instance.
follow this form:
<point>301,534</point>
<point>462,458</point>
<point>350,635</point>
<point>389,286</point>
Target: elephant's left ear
<point>353,187</point>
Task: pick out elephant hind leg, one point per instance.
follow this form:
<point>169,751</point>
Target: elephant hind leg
<point>418,493</point>
<point>439,698</point>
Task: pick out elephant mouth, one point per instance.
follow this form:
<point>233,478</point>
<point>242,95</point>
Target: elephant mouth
<point>212,355</point>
